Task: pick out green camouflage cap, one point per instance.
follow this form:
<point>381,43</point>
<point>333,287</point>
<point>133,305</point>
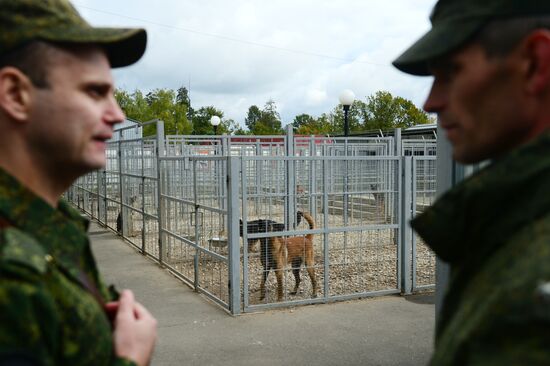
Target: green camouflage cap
<point>454,22</point>
<point>23,21</point>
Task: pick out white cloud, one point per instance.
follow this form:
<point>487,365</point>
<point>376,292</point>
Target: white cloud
<point>300,53</point>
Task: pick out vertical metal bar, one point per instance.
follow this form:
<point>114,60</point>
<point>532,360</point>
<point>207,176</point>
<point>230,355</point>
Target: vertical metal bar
<point>313,177</point>
<point>226,145</point>
<point>398,143</point>
<point>119,180</point>
<point>143,220</point>
<point>290,198</point>
<point>105,212</point>
<point>160,202</point>
<point>406,285</point>
<point>325,227</point>
<point>414,250</point>
<point>234,240</point>
<point>259,184</point>
<point>98,193</point>
<point>197,237</point>
<point>244,184</point>
<point>346,197</point>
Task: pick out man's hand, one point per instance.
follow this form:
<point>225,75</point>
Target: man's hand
<point>135,330</point>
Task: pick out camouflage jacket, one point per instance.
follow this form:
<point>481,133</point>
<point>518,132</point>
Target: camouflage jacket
<point>48,315</point>
<point>494,231</point>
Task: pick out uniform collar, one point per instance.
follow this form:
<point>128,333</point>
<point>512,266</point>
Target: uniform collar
<point>483,211</point>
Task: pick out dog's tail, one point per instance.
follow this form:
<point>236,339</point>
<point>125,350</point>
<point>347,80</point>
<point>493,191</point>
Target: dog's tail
<point>311,223</point>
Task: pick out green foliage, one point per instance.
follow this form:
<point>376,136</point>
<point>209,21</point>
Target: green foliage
<point>157,104</point>
<point>234,128</point>
<point>317,126</point>
<point>379,111</point>
<point>384,111</point>
<point>302,120</point>
<point>355,117</point>
<point>252,117</point>
<point>201,121</point>
<point>268,122</point>
<point>182,97</point>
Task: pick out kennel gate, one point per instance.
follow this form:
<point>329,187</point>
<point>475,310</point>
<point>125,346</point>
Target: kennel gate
<point>357,249</point>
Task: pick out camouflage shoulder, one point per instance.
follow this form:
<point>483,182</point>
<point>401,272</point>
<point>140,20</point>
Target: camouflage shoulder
<point>21,250</point>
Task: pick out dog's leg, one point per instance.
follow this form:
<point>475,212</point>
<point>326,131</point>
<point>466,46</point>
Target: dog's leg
<point>296,264</point>
<point>279,274</point>
<point>278,251</point>
<point>311,270</point>
<point>119,223</point>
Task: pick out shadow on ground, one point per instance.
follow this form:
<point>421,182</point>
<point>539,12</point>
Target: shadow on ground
<point>424,298</point>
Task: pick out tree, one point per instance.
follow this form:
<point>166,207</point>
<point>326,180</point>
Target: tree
<point>355,117</point>
<point>201,121</point>
<point>302,120</point>
<point>380,111</point>
<point>269,122</point>
<point>182,97</point>
<point>252,117</point>
<point>317,126</point>
<point>233,128</point>
<point>384,111</point>
<point>157,104</point>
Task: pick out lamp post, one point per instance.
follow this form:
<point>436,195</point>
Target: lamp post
<point>215,121</point>
<point>346,99</point>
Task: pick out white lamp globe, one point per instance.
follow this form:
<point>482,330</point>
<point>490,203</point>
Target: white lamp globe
<point>215,120</point>
<point>346,97</point>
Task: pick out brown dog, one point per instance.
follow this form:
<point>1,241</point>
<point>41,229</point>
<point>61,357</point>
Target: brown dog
<point>277,251</point>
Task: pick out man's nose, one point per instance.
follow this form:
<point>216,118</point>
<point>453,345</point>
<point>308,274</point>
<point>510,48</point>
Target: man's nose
<point>437,99</point>
<point>114,113</point>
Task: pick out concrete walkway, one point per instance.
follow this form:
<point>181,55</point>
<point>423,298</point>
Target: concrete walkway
<point>390,330</point>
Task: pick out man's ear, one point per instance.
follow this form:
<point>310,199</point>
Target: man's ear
<point>15,93</point>
<point>537,48</point>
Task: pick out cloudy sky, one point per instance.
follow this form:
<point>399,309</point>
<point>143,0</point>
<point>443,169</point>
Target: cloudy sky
<point>300,53</point>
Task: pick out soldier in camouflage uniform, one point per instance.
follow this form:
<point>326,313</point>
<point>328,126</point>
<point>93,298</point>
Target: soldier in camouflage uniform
<point>491,91</point>
<point>57,109</point>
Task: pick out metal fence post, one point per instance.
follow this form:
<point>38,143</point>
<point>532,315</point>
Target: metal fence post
<point>290,202</point>
<point>398,142</point>
<point>313,177</point>
<point>406,231</point>
<point>326,211</point>
<point>98,193</point>
<point>119,181</point>
<point>257,188</point>
<point>234,240</point>
<point>197,228</point>
<point>105,205</point>
<point>160,202</point>
<point>143,220</point>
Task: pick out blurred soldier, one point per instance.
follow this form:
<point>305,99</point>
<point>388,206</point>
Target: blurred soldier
<point>57,109</point>
<point>491,91</point>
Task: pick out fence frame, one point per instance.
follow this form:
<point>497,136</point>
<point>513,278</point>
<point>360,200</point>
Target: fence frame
<point>91,194</point>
